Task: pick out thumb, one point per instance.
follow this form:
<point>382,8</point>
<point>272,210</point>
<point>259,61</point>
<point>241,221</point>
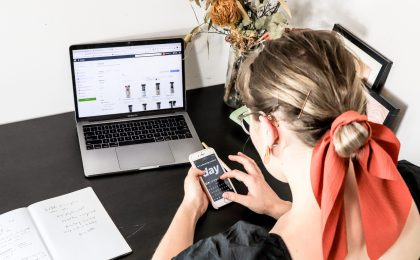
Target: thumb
<point>235,197</point>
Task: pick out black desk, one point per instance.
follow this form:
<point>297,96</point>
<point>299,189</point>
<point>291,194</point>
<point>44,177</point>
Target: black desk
<point>40,159</point>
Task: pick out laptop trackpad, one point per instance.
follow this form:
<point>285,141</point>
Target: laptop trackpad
<point>137,156</point>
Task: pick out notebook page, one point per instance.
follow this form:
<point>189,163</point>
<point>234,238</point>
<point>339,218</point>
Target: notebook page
<point>19,238</point>
<point>76,226</point>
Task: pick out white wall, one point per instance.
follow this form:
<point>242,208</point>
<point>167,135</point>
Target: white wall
<point>35,35</point>
<point>391,27</point>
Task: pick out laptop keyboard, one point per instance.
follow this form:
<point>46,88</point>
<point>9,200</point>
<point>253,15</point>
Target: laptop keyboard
<point>116,134</point>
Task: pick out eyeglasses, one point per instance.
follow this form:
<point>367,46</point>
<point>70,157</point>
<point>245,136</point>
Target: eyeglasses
<point>244,121</point>
<point>245,117</point>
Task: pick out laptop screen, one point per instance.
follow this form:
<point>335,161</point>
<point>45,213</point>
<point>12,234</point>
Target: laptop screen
<point>137,77</point>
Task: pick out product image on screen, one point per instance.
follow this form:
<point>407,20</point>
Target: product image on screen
<point>212,171</point>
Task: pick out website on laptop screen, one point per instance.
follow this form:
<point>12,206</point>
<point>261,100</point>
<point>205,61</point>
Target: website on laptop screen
<point>128,79</point>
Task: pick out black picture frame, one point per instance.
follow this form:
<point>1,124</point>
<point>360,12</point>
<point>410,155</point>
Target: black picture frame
<point>380,110</point>
<point>377,64</point>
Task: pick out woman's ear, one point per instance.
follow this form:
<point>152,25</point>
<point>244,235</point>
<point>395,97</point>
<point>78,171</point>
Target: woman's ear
<point>269,131</point>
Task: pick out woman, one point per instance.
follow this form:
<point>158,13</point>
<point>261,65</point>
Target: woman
<point>309,125</point>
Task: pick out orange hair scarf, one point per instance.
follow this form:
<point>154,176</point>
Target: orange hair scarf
<point>384,198</point>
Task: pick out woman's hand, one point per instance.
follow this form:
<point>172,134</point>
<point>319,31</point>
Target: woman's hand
<point>180,234</point>
<point>260,198</point>
<point>195,199</point>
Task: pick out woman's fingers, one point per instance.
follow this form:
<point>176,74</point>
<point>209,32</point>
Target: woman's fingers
<point>195,172</point>
<point>240,176</point>
<point>246,156</point>
<point>249,158</point>
<point>248,163</point>
<point>238,198</point>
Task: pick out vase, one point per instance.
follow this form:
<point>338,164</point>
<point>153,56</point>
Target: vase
<point>231,96</point>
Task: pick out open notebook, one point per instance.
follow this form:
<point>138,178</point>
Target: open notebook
<point>72,226</point>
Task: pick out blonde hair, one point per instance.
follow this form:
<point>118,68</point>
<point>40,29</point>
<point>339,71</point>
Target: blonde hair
<point>311,70</point>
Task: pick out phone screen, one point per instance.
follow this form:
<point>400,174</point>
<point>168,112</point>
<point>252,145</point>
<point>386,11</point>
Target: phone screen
<point>212,171</point>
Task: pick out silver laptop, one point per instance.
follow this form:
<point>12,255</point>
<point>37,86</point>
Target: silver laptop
<point>130,105</point>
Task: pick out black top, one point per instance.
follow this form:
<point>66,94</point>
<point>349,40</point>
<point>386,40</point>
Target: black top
<point>411,176</point>
<point>247,241</point>
<point>241,241</point>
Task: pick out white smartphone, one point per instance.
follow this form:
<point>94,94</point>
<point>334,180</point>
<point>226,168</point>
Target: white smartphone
<point>208,161</point>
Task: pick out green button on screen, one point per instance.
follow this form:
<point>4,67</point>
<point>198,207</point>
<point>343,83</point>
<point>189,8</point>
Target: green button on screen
<point>87,99</point>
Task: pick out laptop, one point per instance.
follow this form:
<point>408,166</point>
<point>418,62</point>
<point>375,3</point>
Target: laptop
<point>130,105</point>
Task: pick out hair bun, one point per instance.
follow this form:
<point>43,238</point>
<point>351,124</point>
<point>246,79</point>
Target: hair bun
<point>348,139</point>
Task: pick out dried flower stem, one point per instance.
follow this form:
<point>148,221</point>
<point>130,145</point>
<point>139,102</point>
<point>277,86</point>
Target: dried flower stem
<point>195,14</point>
